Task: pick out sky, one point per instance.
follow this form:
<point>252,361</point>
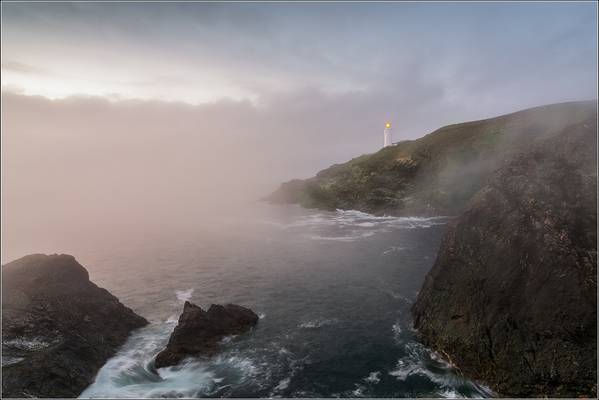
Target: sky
<point>130,109</point>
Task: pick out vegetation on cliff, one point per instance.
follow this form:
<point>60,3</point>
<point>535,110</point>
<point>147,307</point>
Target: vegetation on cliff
<point>436,174</point>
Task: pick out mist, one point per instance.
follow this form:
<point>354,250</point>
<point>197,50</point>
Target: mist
<point>209,107</point>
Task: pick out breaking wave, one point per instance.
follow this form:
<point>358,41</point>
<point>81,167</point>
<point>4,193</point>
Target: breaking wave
<point>351,225</point>
<point>184,295</point>
<point>421,362</point>
<point>318,323</point>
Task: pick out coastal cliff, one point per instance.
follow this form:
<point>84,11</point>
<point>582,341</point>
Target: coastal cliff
<point>511,298</point>
<point>58,327</point>
<point>436,174</point>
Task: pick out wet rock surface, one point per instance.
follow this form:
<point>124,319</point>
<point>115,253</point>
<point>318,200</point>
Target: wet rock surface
<point>511,299</point>
<point>198,332</point>
<point>58,327</point>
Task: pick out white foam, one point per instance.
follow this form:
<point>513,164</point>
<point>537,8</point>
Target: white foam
<point>130,374</point>
<point>9,360</point>
<point>318,323</point>
<point>283,384</point>
<point>445,376</point>
<point>283,350</point>
<point>227,339</point>
<point>27,344</point>
<point>450,394</point>
<point>173,319</point>
<point>394,249</point>
<point>358,391</point>
<point>352,225</point>
<point>373,377</point>
<point>348,238</point>
<point>396,328</point>
<point>365,224</point>
<point>184,295</point>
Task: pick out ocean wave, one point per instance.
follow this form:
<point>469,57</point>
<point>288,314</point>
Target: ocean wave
<point>184,295</point>
<point>283,384</point>
<point>358,220</point>
<point>227,339</point>
<point>373,377</point>
<point>394,249</point>
<point>396,328</point>
<point>426,363</point>
<point>131,373</point>
<point>313,219</point>
<point>347,238</point>
<point>9,360</point>
<point>318,323</point>
<point>28,344</point>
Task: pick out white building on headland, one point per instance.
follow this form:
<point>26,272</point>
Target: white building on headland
<point>387,135</point>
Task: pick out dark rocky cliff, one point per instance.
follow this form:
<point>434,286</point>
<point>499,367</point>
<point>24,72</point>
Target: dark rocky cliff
<point>511,298</point>
<point>436,174</point>
<point>58,327</point>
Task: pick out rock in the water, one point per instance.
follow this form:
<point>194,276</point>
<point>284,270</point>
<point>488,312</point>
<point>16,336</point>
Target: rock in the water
<point>58,327</point>
<point>198,332</point>
<point>511,299</point>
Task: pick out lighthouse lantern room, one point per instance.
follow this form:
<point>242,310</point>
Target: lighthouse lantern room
<point>387,138</point>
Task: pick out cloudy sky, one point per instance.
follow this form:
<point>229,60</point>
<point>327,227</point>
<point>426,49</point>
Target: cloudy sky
<point>156,100</point>
<point>485,55</point>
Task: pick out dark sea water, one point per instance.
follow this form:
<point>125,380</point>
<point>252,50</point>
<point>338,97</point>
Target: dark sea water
<point>333,291</point>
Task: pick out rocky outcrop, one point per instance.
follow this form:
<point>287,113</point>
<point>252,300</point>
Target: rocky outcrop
<point>58,327</point>
<point>511,299</point>
<point>198,332</point>
<point>436,174</point>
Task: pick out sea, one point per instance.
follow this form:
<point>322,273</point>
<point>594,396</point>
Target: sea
<point>333,291</point>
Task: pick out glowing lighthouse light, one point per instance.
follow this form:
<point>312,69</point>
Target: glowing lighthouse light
<point>387,139</point>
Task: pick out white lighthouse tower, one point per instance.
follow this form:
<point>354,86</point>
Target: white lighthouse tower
<point>387,138</point>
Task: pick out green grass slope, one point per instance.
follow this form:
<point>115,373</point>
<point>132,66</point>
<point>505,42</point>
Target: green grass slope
<point>436,174</point>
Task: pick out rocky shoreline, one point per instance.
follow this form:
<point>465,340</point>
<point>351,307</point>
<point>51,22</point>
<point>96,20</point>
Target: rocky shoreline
<point>58,327</point>
<point>511,299</point>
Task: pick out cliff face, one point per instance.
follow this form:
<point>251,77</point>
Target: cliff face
<point>511,298</point>
<point>58,327</point>
<point>434,175</point>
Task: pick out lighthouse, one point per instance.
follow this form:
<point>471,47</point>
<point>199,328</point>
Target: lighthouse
<point>387,139</point>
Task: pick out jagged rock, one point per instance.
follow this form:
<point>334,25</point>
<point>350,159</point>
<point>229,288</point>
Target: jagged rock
<point>58,327</point>
<point>511,299</point>
<point>198,332</point>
